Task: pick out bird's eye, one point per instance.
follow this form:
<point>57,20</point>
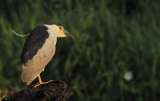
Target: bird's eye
<point>60,27</point>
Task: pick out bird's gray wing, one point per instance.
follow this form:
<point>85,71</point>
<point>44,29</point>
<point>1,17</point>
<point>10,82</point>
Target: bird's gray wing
<point>34,42</point>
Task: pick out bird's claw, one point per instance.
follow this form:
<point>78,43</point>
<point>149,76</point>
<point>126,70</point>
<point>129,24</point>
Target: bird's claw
<point>42,83</point>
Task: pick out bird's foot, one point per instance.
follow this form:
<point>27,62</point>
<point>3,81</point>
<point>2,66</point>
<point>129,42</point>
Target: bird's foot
<point>42,83</point>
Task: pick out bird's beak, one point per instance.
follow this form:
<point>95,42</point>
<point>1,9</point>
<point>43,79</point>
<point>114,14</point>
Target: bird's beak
<point>68,34</point>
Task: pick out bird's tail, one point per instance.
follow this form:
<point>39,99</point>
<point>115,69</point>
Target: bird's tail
<point>29,74</point>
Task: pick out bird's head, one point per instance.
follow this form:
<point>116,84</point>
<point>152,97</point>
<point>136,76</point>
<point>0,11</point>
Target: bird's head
<point>57,29</point>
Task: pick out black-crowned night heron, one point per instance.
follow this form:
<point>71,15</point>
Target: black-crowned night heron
<point>39,49</point>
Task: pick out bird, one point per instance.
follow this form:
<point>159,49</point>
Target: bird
<point>39,48</point>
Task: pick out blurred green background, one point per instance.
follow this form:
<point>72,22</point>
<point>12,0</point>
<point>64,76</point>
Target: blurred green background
<point>114,57</point>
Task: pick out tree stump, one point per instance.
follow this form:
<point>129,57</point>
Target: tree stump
<point>52,91</point>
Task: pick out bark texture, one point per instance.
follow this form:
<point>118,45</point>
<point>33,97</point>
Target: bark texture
<point>52,91</point>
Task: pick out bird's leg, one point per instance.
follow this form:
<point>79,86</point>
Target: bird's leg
<point>40,81</point>
<point>39,78</point>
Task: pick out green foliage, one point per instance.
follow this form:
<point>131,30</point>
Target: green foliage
<point>111,39</point>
